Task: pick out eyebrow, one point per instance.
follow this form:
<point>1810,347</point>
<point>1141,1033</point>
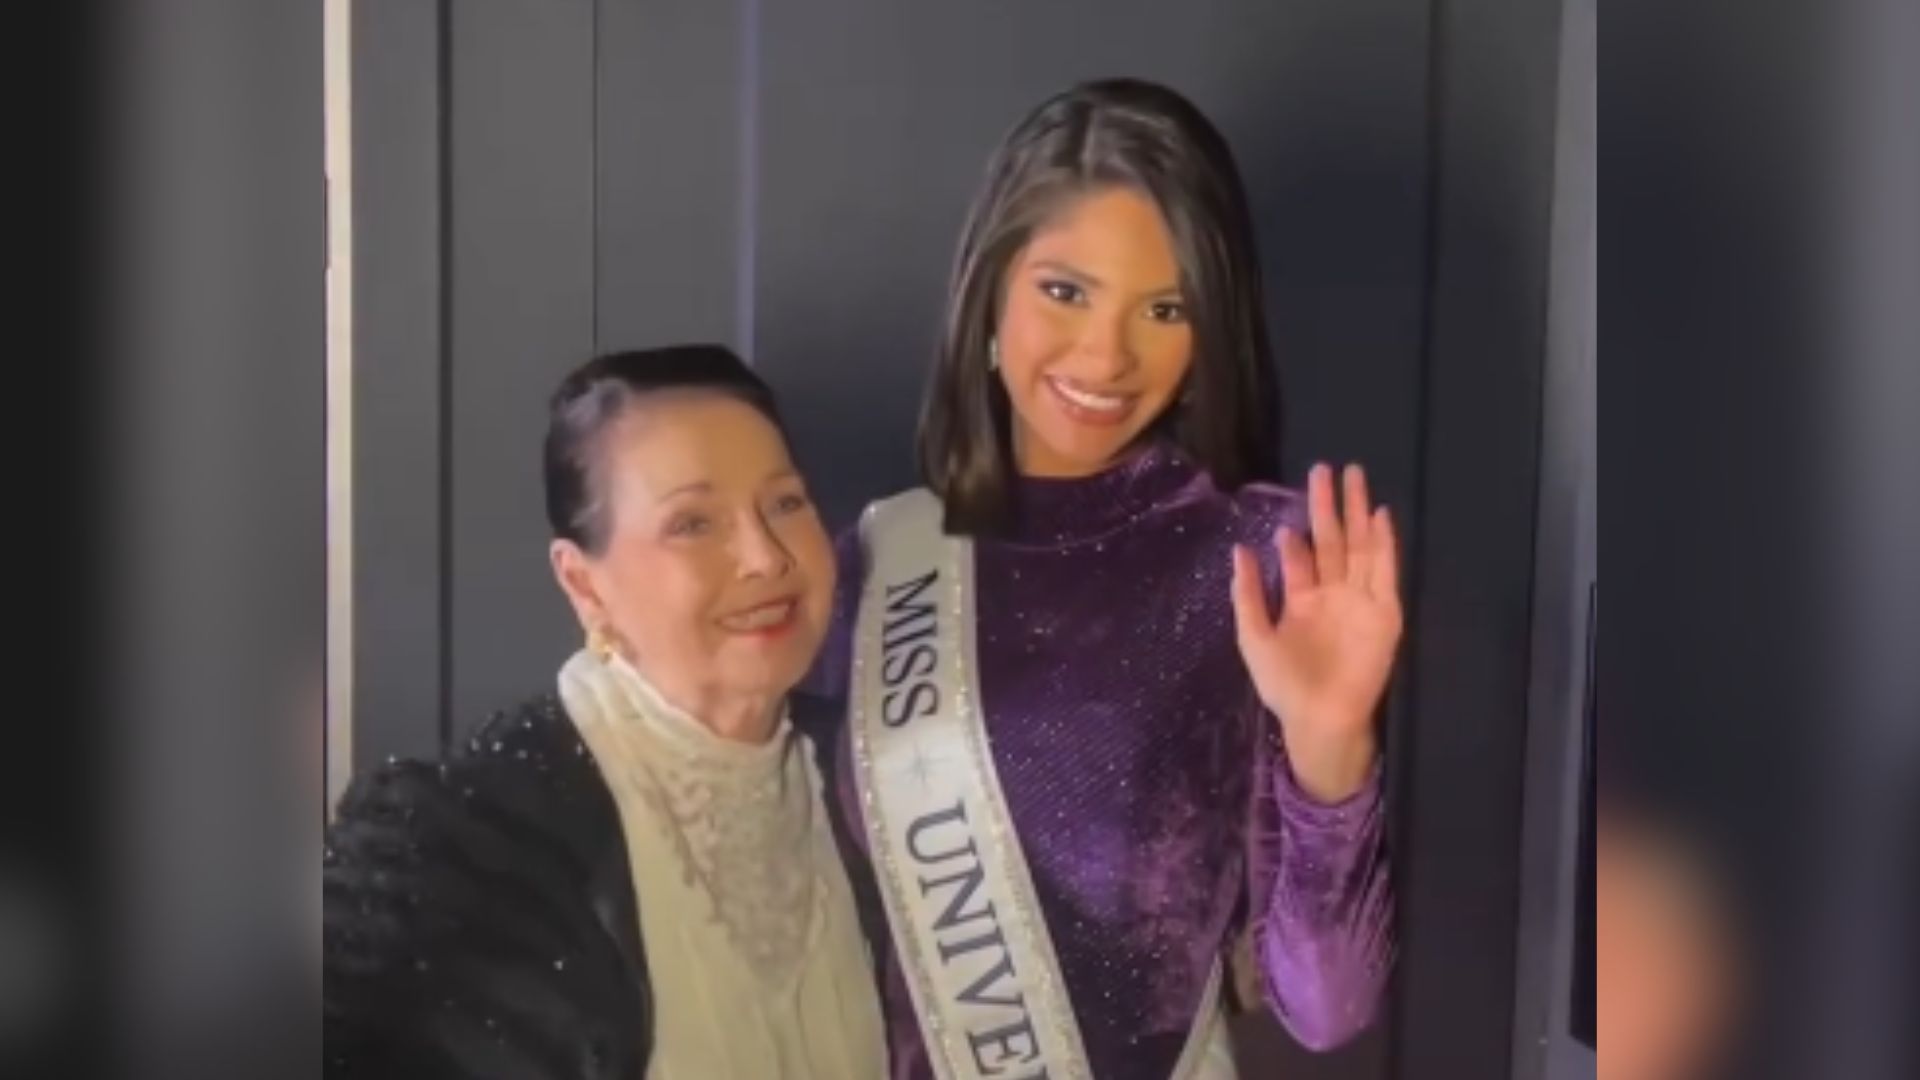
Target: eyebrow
<point>1091,281</point>
<point>698,487</point>
<point>705,487</point>
<point>1073,272</point>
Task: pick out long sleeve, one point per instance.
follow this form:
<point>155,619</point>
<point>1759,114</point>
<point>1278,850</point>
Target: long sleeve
<point>1322,902</point>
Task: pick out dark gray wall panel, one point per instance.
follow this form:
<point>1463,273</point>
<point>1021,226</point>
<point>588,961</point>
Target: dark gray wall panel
<point>1462,748</point>
<point>521,275</point>
<point>671,136</point>
<point>1566,571</point>
<point>397,646</point>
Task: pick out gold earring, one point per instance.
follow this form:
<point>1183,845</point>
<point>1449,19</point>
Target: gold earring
<point>600,643</point>
<point>993,353</point>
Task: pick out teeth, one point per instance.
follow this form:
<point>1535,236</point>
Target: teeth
<point>1097,402</point>
<point>759,618</point>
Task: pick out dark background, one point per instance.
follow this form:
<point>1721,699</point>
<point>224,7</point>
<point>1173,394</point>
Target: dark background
<point>536,182</point>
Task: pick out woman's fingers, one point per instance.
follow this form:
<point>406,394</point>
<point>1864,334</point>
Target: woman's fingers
<point>1358,513</point>
<point>1329,542</point>
<point>1250,617</point>
<point>1386,558</point>
<point>1296,562</point>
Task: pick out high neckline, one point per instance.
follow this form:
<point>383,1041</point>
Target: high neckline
<point>1065,510</point>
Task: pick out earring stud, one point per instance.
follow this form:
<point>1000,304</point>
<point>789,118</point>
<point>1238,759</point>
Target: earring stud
<point>600,643</point>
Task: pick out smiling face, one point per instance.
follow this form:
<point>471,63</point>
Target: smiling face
<point>1093,335</point>
<point>716,578</point>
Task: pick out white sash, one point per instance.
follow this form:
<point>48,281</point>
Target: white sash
<point>971,938</point>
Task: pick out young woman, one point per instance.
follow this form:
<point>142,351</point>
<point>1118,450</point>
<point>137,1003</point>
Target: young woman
<point>636,876</point>
<point>1084,752</point>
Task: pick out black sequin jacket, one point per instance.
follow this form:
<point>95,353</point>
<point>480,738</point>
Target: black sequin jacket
<point>480,918</point>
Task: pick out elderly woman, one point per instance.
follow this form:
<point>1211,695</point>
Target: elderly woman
<point>636,875</point>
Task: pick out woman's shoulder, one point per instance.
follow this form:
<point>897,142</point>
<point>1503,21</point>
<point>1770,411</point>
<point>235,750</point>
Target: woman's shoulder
<point>533,744</point>
<point>514,789</point>
<point>919,493</point>
<point>850,535</point>
<point>456,890</point>
<point>523,774</point>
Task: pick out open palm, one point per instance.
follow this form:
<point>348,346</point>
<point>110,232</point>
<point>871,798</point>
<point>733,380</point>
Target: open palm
<point>1323,665</point>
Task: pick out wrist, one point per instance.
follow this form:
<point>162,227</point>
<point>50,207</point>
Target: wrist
<point>1332,769</point>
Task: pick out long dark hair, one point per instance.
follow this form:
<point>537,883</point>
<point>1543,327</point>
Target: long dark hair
<point>1114,132</point>
<point>597,394</point>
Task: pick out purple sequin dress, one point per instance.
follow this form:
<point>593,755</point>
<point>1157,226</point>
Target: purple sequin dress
<point>1148,784</point>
